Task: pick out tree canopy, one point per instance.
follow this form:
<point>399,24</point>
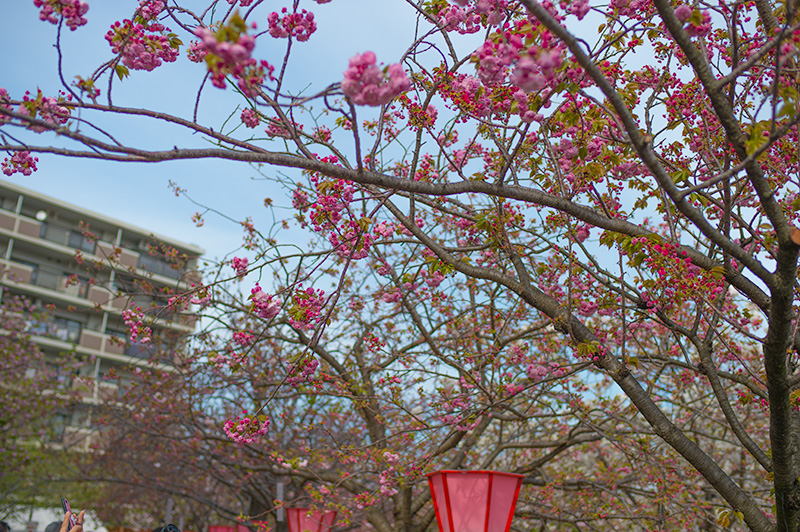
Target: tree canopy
<point>552,239</point>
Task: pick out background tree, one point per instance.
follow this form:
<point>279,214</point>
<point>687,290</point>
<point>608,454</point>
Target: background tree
<point>30,403</point>
<point>598,214</point>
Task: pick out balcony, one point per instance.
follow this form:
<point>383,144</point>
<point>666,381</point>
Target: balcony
<point>60,329</point>
<point>66,236</point>
<point>28,273</point>
<point>60,283</point>
<point>156,353</point>
<point>159,267</point>
<point>19,224</point>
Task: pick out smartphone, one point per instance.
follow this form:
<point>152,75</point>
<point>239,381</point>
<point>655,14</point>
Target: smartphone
<point>68,508</point>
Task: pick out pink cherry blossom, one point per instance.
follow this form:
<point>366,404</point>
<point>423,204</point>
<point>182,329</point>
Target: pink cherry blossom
<point>246,430</point>
<point>243,338</point>
<point>71,11</point>
<point>250,117</point>
<point>683,12</point>
<point>366,84</point>
<point>22,162</point>
<point>141,47</point>
<point>240,266</point>
<point>54,111</point>
<point>527,75</point>
<point>265,305</point>
<point>298,25</point>
<point>232,56</point>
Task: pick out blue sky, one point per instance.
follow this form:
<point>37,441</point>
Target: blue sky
<point>139,192</point>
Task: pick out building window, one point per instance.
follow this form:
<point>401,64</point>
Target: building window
<point>60,375</point>
<point>57,328</point>
<point>76,285</point>
<point>66,236</point>
<point>58,425</point>
<point>78,241</point>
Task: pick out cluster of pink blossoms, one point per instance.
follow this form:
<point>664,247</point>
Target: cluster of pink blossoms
<point>227,359</point>
<point>307,307</point>
<point>303,371</point>
<point>384,229</point>
<point>458,19</point>
<point>197,218</point>
<point>243,338</point>
<point>582,232</point>
<point>240,266</point>
<point>298,25</point>
<point>138,331</point>
<point>72,11</point>
<point>228,52</point>
<point>392,297</point>
<point>537,372</point>
<point>579,8</point>
<point>527,114</point>
<point>469,93</point>
<point>632,8</point>
<point>364,500</point>
<point>201,295</point>
<point>350,241</point>
<point>233,53</point>
<point>537,69</point>
<point>4,104</point>
<point>196,52</point>
<point>535,66</point>
<point>330,215</point>
<point>142,47</point>
<point>150,9</point>
<point>21,162</point>
<point>333,198</point>
<point>388,482</point>
<point>246,429</point>
<point>684,14</point>
<point>366,84</point>
<point>265,305</point>
<point>464,20</point>
<point>417,116</point>
<point>322,134</point>
<point>275,128</point>
<point>495,58</point>
<point>46,108</point>
<point>675,277</point>
<point>250,117</point>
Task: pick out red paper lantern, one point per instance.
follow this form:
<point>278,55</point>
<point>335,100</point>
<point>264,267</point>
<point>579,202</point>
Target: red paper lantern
<point>474,501</point>
<point>306,520</point>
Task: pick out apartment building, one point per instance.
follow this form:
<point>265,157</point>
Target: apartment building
<point>84,269</point>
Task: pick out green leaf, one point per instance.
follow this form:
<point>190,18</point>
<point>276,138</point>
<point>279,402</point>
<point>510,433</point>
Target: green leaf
<point>717,271</point>
<point>122,71</point>
<point>679,176</point>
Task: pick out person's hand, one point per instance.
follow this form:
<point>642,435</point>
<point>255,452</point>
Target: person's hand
<point>78,523</point>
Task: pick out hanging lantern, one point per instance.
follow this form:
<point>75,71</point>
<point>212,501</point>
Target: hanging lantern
<point>474,501</point>
<point>307,520</point>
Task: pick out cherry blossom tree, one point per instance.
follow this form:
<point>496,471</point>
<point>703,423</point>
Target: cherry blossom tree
<point>28,409</point>
<point>550,238</point>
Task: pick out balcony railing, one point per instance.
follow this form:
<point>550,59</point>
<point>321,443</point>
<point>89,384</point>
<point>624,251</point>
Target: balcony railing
<point>58,329</point>
<point>159,267</point>
<point>60,283</point>
<point>58,426</point>
<point>66,236</point>
<point>158,352</point>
